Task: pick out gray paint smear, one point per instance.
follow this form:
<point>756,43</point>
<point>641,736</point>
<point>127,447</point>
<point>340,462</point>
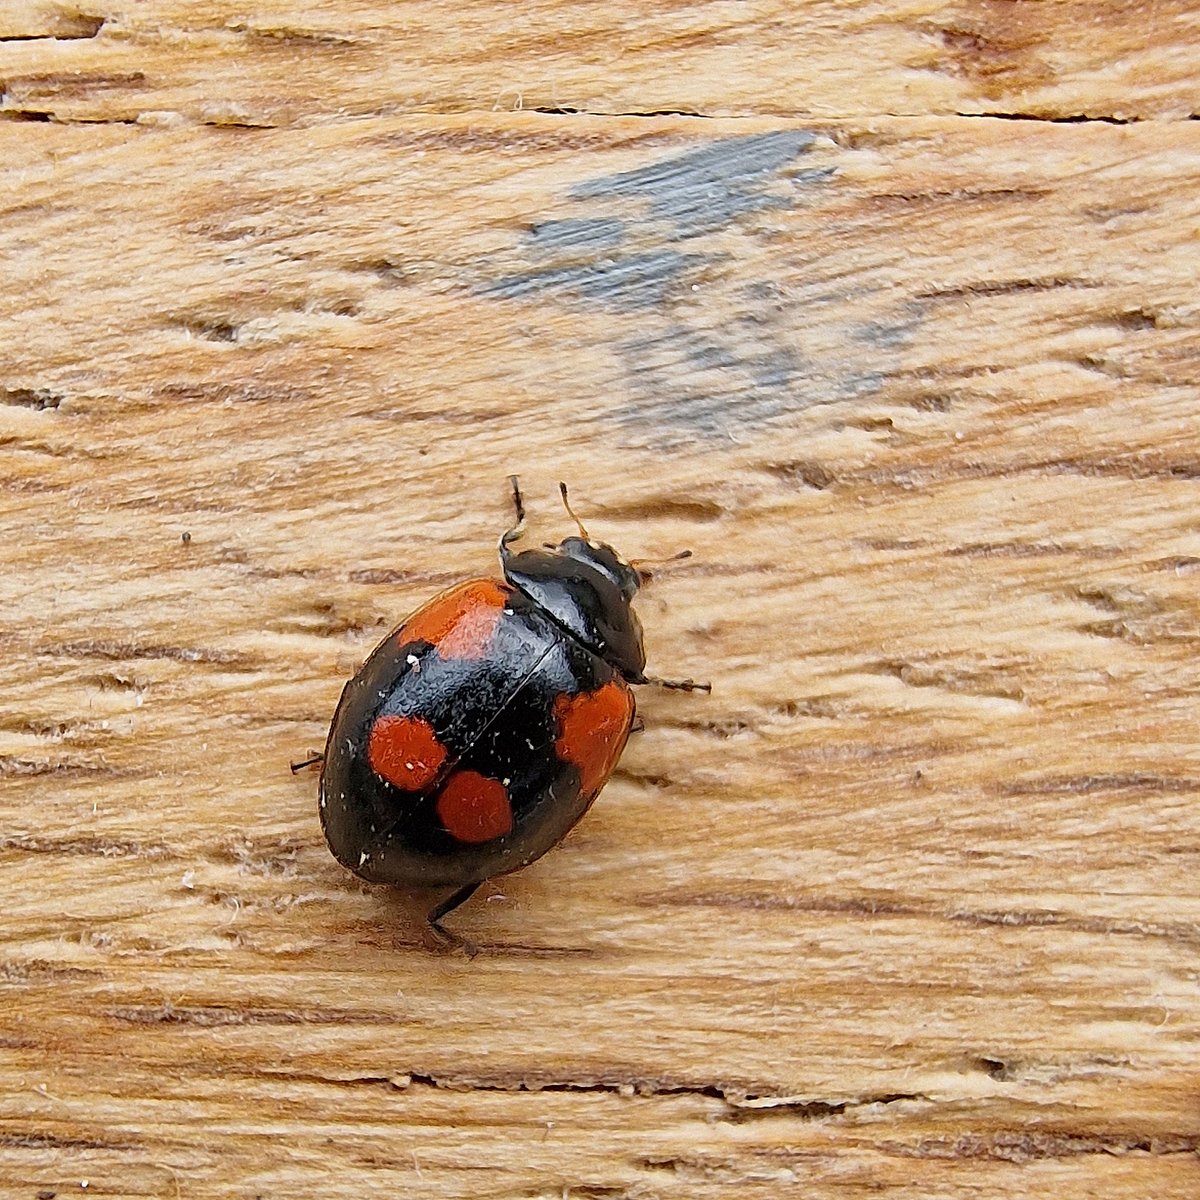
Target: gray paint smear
<point>575,233</point>
<point>709,188</point>
<point>686,382</point>
<point>715,354</point>
<point>625,262</point>
<point>632,281</point>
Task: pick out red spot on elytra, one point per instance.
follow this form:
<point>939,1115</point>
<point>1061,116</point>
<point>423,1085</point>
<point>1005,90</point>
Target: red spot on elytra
<point>593,728</point>
<point>405,751</point>
<point>474,808</point>
<point>461,622</point>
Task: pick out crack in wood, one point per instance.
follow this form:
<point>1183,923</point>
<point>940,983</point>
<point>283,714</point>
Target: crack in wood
<point>73,27</point>
<point>741,1104</point>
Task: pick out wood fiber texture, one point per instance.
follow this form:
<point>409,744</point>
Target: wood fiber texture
<point>907,906</point>
<point>280,61</point>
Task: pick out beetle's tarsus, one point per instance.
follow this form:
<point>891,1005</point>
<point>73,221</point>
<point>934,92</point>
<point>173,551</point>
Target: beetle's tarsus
<point>447,938</point>
<point>447,941</point>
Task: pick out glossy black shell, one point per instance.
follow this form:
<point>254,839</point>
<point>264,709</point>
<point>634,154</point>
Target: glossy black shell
<point>587,589</point>
<point>566,630</point>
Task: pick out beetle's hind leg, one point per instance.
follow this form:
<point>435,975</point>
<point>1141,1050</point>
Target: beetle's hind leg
<point>446,937</point>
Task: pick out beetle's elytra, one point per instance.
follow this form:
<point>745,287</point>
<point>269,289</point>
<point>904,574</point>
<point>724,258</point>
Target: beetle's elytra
<point>480,731</point>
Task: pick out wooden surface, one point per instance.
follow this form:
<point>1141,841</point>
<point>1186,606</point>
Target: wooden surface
<point>908,906</point>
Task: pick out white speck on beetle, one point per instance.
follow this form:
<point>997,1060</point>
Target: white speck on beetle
<point>412,661</point>
<point>362,858</point>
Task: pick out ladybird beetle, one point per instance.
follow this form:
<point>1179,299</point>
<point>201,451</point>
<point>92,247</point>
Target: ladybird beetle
<point>478,732</point>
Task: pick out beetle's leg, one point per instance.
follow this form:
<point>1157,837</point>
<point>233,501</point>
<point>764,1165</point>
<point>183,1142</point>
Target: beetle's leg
<point>444,908</point>
<point>679,685</point>
<point>311,761</point>
<point>638,725</point>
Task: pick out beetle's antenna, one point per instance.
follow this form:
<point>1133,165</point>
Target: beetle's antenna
<point>679,685</point>
<point>636,562</point>
<point>518,527</point>
<point>562,487</point>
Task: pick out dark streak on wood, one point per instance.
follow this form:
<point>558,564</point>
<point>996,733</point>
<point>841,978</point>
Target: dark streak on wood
<point>19,767</point>
<point>1003,287</point>
<point>40,399</point>
<point>97,846</point>
<point>685,508</point>
<point>1084,785</point>
<point>217,1015</point>
<point>1187,934</point>
<point>808,474</point>
<point>1022,1146</point>
<point>39,1140</point>
<point>39,971</point>
<point>1182,932</point>
<point>542,137</point>
<point>74,84</point>
<point>1129,466</point>
<point>122,651</point>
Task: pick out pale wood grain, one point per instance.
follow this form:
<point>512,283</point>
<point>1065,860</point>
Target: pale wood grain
<point>278,62</point>
<point>906,906</point>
